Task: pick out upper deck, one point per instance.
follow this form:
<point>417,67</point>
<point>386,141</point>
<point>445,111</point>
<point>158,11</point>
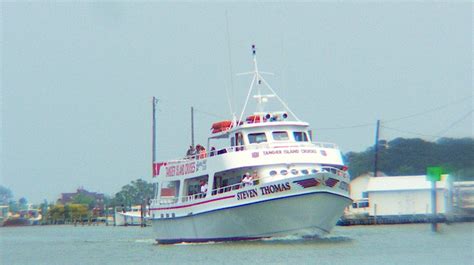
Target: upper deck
<point>254,146</point>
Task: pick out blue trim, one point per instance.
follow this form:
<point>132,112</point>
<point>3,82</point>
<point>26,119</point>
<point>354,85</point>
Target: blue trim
<point>202,240</point>
<point>236,206</point>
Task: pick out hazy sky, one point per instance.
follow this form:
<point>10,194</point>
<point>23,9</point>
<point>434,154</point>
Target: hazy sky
<point>77,79</point>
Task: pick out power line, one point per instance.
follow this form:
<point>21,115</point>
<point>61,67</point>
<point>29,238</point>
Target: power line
<point>442,132</point>
<point>347,127</point>
<point>209,114</point>
<point>429,110</point>
<point>436,136</point>
<point>399,118</point>
<point>408,132</point>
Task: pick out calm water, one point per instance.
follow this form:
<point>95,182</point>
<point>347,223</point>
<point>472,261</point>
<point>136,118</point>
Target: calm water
<point>394,244</point>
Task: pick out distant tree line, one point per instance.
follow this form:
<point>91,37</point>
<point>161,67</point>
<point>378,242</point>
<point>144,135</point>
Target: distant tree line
<point>83,206</point>
<point>411,157</point>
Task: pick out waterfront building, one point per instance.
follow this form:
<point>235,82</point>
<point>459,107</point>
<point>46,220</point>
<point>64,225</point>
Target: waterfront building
<point>397,195</point>
<point>69,197</point>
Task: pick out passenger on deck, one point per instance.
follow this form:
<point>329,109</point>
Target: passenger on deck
<point>213,151</point>
<point>201,152</point>
<point>191,152</point>
<point>198,149</point>
<point>203,188</point>
<point>247,180</point>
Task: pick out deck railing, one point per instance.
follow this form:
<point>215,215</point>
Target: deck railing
<point>231,149</point>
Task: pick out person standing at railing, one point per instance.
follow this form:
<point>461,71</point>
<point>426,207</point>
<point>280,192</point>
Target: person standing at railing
<point>213,151</point>
<point>247,180</point>
<point>191,152</point>
<point>203,188</point>
<point>201,152</point>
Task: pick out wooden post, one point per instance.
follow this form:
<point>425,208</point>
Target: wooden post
<point>375,213</point>
<point>434,222</point>
<point>115,210</point>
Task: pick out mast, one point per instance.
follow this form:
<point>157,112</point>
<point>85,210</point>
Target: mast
<point>192,126</point>
<point>261,99</point>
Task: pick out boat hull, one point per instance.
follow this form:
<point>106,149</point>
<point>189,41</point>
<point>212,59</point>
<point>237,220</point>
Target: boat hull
<point>125,219</point>
<point>314,213</point>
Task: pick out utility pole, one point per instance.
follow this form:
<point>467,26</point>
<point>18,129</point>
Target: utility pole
<point>192,126</point>
<point>376,155</point>
<point>153,140</point>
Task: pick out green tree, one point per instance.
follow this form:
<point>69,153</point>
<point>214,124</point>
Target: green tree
<point>412,156</point>
<point>5,195</point>
<point>134,193</point>
<point>78,211</point>
<point>56,213</point>
<point>82,198</point>
<point>23,203</point>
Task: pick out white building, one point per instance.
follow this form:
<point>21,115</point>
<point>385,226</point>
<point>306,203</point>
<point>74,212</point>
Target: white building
<point>397,195</point>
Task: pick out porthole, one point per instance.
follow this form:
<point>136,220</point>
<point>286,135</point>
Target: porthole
<point>284,172</point>
<point>172,215</point>
<point>167,215</point>
<point>273,173</point>
<point>294,171</point>
<point>305,171</point>
<point>314,171</point>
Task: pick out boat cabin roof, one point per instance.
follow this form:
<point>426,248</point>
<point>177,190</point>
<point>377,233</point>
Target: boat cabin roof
<point>264,125</point>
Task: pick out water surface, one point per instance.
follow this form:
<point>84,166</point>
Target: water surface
<point>382,244</point>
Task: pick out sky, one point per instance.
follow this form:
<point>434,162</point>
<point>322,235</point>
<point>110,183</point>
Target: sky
<point>77,79</point>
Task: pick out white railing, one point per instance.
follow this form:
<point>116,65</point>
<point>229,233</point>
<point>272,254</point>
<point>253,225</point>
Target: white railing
<point>231,149</point>
<point>237,186</point>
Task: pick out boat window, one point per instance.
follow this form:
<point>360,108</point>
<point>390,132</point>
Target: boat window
<point>273,173</point>
<point>314,171</point>
<point>300,136</point>
<point>294,171</point>
<point>256,138</point>
<point>169,192</point>
<point>193,187</point>
<point>280,136</point>
<point>284,172</point>
<point>305,171</point>
<point>226,181</point>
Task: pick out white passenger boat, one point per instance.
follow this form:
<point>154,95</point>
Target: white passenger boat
<point>298,187</point>
<point>131,216</point>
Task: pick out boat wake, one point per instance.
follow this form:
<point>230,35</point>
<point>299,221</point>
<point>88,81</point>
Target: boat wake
<point>199,243</point>
<point>145,241</point>
<point>307,239</point>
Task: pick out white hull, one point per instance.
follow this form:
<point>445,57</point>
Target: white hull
<point>313,213</point>
<point>124,219</point>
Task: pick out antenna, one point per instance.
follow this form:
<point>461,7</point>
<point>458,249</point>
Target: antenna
<point>229,97</point>
<point>261,99</point>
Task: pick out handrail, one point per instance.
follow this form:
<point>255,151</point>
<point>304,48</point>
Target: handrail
<point>231,149</point>
<point>237,186</point>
